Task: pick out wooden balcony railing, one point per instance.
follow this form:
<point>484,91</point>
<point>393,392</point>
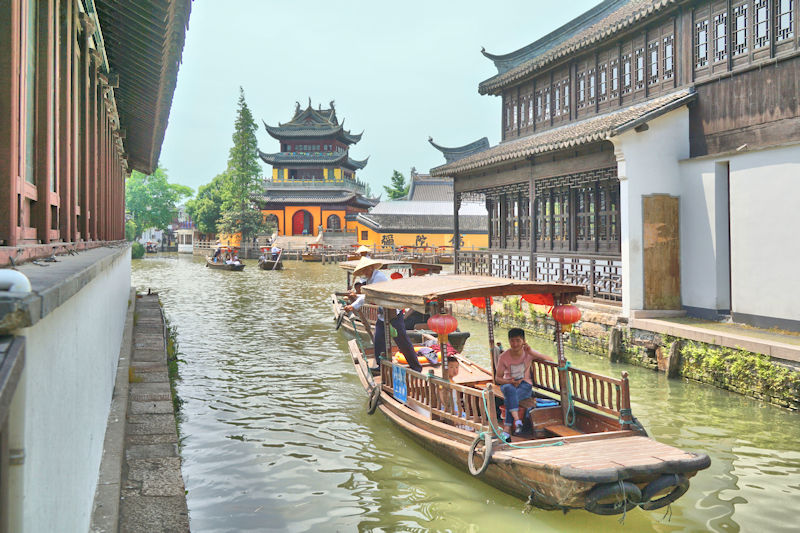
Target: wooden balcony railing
<point>601,275</point>
<point>603,393</point>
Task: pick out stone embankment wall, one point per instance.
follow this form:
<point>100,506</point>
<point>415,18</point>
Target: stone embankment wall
<point>603,332</point>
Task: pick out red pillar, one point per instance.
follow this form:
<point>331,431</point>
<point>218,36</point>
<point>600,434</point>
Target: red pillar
<point>9,120</point>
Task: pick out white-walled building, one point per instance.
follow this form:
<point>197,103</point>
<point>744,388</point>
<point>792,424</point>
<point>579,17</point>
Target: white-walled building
<point>651,152</point>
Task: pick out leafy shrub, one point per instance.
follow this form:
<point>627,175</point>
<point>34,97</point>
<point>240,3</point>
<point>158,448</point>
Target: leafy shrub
<point>137,250</point>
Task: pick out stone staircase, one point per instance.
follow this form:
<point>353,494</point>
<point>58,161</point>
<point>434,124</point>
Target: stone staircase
<point>295,242</point>
<point>339,241</point>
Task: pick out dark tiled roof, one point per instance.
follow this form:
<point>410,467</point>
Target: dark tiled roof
<point>317,196</point>
<point>144,43</point>
<point>460,152</point>
<point>601,22</point>
<point>310,122</point>
<point>431,191</point>
<point>325,158</point>
<point>585,131</point>
<point>356,164</point>
<point>423,223</point>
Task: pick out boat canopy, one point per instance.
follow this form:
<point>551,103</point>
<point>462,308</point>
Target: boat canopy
<point>418,291</point>
<point>393,264</point>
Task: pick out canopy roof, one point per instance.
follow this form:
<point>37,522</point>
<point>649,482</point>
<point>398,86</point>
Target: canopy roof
<point>417,291</point>
<point>392,264</point>
<point>310,122</point>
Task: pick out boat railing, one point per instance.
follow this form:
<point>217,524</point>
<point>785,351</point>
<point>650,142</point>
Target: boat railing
<point>446,401</point>
<point>603,393</point>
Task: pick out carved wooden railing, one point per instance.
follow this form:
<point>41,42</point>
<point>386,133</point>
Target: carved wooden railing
<point>601,275</point>
<point>446,401</point>
<point>608,395</point>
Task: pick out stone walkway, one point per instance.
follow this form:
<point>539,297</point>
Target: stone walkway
<point>140,487</point>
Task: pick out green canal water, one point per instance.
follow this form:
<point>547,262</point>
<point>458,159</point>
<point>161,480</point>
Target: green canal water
<point>275,434</point>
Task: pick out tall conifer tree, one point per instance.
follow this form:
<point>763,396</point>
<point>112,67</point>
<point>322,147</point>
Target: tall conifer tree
<point>243,177</point>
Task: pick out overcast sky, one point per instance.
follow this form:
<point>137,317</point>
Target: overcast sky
<point>399,71</point>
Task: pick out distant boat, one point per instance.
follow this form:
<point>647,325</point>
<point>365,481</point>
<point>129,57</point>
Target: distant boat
<point>224,266</point>
<point>313,253</point>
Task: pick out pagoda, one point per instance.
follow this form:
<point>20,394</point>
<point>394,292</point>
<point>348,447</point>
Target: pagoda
<point>313,184</point>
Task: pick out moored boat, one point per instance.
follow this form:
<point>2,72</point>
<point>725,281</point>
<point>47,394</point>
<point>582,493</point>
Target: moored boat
<point>313,253</point>
<point>265,262</point>
<point>581,447</point>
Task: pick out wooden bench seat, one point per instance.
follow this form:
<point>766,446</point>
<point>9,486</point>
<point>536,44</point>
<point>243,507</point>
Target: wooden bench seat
<point>562,430</point>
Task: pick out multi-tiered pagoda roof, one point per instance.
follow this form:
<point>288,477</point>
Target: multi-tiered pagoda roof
<point>316,123</point>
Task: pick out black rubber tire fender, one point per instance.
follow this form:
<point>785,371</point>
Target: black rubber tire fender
<point>601,492</point>
<point>374,399</point>
<point>679,483</point>
<point>487,454</point>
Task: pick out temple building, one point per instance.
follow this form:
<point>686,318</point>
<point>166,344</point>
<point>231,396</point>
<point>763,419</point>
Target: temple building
<point>426,217</point>
<point>651,152</point>
<point>313,184</point>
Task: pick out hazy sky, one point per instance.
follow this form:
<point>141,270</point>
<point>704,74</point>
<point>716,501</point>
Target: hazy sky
<point>400,71</point>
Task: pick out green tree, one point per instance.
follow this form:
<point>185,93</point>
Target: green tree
<point>243,177</point>
<point>398,188</point>
<point>152,200</point>
<point>204,209</point>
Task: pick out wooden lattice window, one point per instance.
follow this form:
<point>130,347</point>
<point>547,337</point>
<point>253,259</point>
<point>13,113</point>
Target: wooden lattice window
<point>560,220</point>
<point>652,50</point>
<point>509,219</point>
<point>524,220</point>
<point>557,100</point>
<point>784,20</point>
<point>739,39</point>
<point>585,234</point>
<point>626,74</point>
<point>602,82</point>
<point>669,57</point>
<point>760,24</point>
<point>720,36</point>
<point>614,65</point>
<point>581,90</point>
<point>639,54</point>
<point>592,86</point>
<point>608,228</point>
<point>701,43</point>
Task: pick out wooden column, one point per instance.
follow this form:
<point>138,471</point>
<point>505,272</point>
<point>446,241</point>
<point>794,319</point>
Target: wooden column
<point>9,120</point>
<point>92,134</point>
<point>65,147</point>
<point>532,224</point>
<point>83,126</point>
<point>45,122</point>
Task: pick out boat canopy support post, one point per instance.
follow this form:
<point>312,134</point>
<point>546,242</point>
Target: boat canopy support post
<point>387,336</point>
<point>490,326</point>
<point>442,339</point>
<point>625,414</point>
<point>563,370</point>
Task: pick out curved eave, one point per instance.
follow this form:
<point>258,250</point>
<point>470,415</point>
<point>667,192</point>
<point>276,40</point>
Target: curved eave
<point>351,138</point>
<point>355,164</point>
<point>621,20</point>
<point>460,152</point>
<point>282,132</point>
<point>281,158</point>
<point>593,129</point>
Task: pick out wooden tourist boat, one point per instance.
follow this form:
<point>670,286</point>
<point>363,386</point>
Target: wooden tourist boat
<point>221,264</point>
<point>313,253</point>
<point>585,451</point>
<point>444,255</point>
<point>369,313</point>
<point>224,266</point>
<point>270,264</point>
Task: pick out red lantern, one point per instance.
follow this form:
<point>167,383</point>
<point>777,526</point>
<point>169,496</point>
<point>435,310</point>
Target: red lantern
<point>566,315</point>
<point>442,324</point>
<point>480,302</point>
<point>396,275</point>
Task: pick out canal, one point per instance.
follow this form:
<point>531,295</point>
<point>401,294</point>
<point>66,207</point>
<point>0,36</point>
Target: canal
<point>275,434</point>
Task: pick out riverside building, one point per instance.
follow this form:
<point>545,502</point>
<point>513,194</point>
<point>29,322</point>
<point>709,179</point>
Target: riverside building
<point>651,152</point>
<point>85,92</point>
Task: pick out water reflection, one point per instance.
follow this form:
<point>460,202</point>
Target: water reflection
<point>276,436</point>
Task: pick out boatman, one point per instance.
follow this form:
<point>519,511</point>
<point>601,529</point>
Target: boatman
<point>371,269</point>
